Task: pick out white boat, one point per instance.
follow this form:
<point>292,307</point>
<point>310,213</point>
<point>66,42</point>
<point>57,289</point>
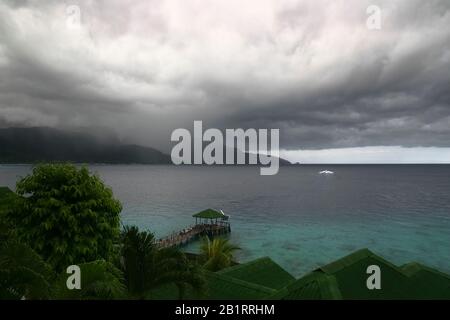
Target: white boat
<point>326,172</point>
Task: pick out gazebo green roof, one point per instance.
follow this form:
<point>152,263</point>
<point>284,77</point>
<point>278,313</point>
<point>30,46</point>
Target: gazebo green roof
<point>209,214</point>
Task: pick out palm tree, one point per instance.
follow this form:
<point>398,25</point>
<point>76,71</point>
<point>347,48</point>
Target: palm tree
<point>99,280</point>
<point>147,267</point>
<point>23,273</point>
<point>217,254</point>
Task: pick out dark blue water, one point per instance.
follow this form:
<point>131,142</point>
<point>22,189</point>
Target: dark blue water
<point>299,218</point>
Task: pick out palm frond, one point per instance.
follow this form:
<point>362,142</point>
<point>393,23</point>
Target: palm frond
<point>99,280</point>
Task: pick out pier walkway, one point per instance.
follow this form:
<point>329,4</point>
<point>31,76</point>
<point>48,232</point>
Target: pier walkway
<point>207,223</point>
<point>192,233</point>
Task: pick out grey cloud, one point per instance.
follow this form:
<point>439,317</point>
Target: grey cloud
<point>311,69</point>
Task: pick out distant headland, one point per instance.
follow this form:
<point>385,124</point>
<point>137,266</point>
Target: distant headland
<point>43,144</point>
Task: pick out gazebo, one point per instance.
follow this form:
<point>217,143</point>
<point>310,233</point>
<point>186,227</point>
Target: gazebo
<point>210,216</point>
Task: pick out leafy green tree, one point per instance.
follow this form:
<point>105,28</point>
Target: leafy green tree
<point>99,280</point>
<point>7,199</point>
<point>147,267</point>
<point>66,215</point>
<point>217,254</point>
<point>23,273</point>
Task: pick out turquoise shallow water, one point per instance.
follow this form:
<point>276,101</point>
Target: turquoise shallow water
<point>299,218</point>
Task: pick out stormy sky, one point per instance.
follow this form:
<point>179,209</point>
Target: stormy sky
<point>337,90</point>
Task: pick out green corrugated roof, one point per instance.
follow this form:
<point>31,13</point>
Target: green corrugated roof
<point>351,275</point>
<point>263,271</point>
<point>314,286</point>
<point>224,287</point>
<point>345,261</point>
<point>209,214</point>
<point>346,279</point>
<point>427,283</point>
<point>343,279</point>
<point>219,287</point>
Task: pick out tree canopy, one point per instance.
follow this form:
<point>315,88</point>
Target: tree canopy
<point>66,214</point>
<point>99,280</point>
<point>147,267</point>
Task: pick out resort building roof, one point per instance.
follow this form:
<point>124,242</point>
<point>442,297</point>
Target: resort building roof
<point>351,275</point>
<point>314,286</point>
<point>263,271</point>
<point>219,287</point>
<point>346,279</point>
<point>342,279</point>
<point>225,287</point>
<point>428,283</point>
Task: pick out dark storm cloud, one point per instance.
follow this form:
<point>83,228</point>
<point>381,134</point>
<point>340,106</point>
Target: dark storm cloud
<point>311,68</point>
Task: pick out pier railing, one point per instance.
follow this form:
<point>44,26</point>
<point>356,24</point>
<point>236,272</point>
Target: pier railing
<point>194,232</point>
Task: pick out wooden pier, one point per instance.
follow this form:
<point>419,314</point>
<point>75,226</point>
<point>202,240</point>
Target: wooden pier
<point>207,223</point>
<point>193,233</point>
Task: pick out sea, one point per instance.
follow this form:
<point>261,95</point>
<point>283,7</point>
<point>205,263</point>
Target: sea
<point>299,218</point>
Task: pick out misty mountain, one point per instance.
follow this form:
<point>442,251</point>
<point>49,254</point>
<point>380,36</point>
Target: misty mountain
<point>41,144</point>
<point>235,151</point>
<point>282,162</point>
<point>31,145</point>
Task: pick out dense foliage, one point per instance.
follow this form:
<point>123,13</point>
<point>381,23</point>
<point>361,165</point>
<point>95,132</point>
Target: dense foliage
<point>62,215</point>
<point>100,280</point>
<point>217,254</point>
<point>66,215</point>
<point>23,273</point>
<point>147,267</point>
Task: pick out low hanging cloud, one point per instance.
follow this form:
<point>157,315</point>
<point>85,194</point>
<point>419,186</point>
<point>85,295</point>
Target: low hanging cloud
<point>370,155</point>
<point>311,68</point>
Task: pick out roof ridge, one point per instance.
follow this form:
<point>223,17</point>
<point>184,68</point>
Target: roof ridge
<point>301,281</point>
<point>243,283</point>
<point>345,261</point>
<point>245,264</point>
<point>420,267</point>
<point>329,287</point>
<point>326,283</point>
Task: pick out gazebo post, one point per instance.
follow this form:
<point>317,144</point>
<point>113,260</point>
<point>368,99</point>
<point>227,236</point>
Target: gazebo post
<point>209,218</point>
